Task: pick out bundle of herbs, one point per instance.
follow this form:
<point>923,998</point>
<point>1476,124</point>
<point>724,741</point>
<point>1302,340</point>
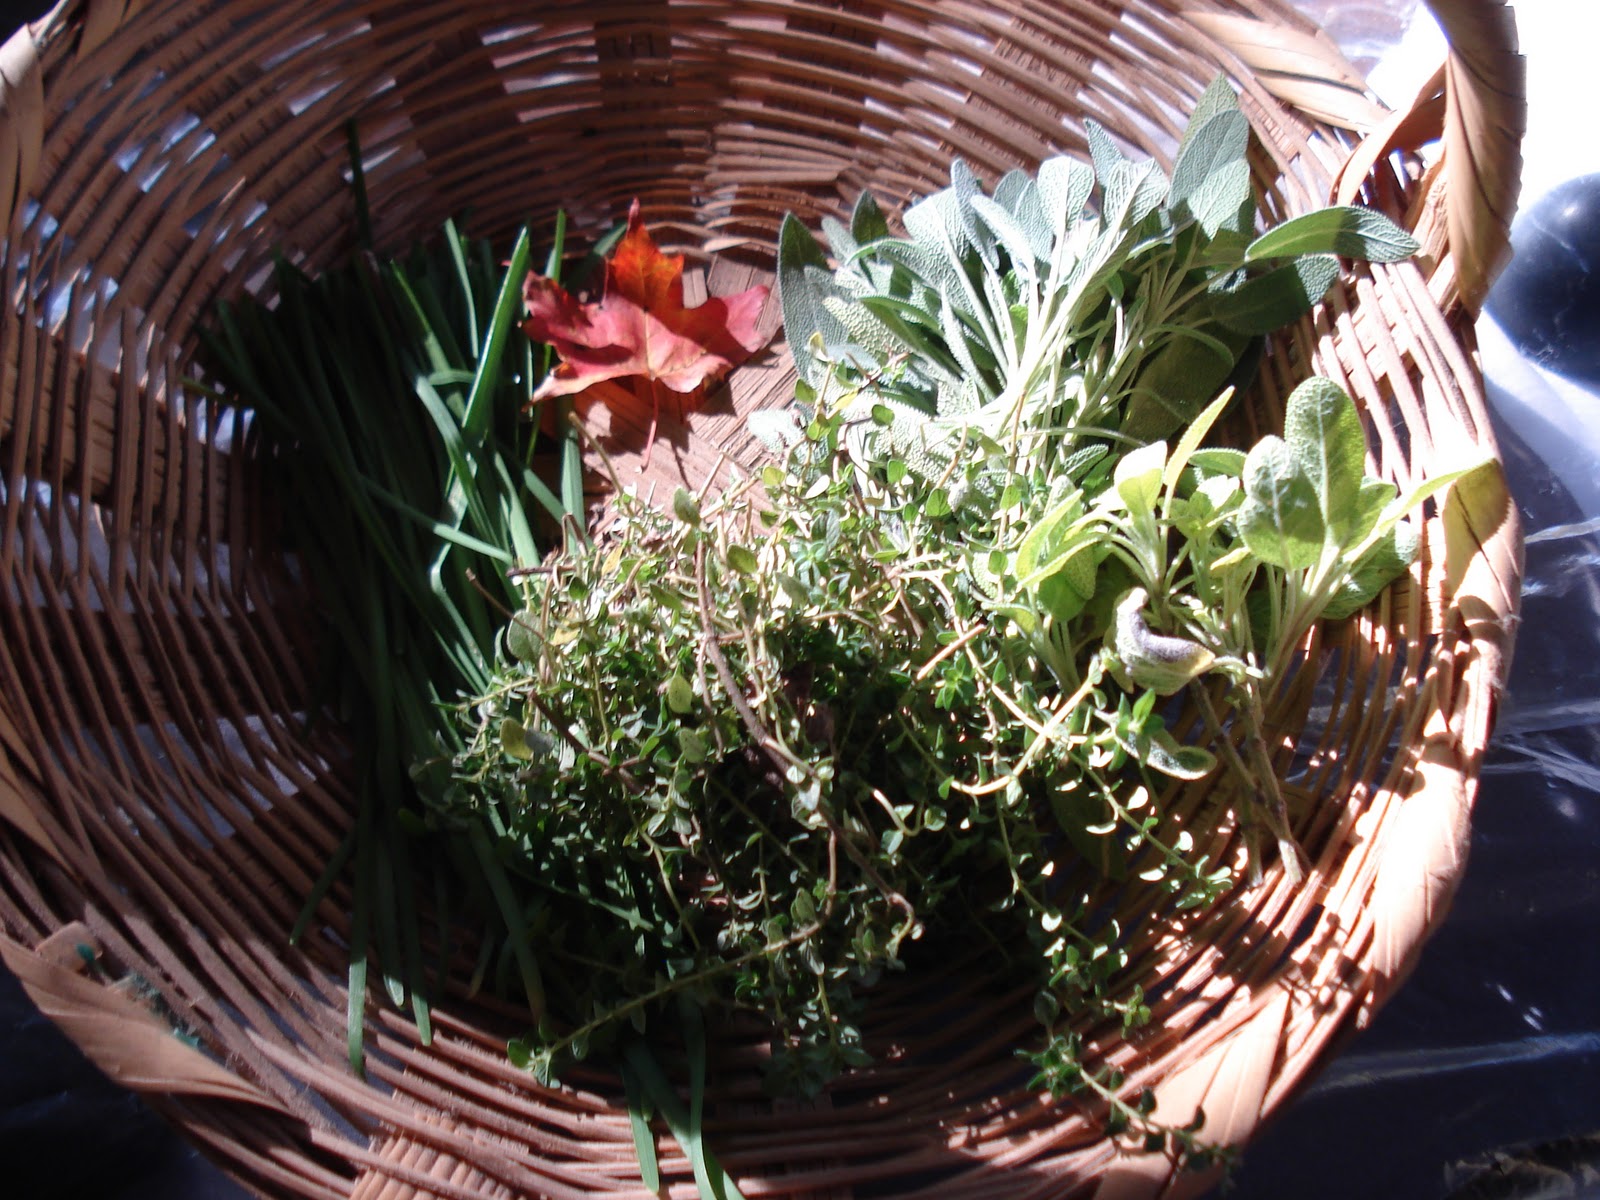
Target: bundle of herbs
<point>916,680</point>
<point>387,397</point>
<point>921,677</point>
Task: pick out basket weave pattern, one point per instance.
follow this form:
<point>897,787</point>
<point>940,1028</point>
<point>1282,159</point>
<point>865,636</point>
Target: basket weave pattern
<point>166,810</point>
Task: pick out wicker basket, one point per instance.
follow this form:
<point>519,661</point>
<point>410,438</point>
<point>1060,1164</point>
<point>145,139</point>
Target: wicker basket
<point>166,814</point>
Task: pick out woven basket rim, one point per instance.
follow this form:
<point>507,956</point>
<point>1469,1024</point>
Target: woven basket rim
<point>268,1097</point>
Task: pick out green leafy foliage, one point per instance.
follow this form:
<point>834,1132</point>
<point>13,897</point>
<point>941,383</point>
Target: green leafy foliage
<point>388,394</point>
<point>781,743</point>
<point>1041,310</point>
<point>751,755</point>
<point>1001,376</point>
<point>1332,535</point>
<point>757,752</point>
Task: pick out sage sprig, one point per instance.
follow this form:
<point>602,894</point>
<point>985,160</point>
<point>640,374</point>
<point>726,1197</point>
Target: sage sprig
<point>1238,556</point>
<point>1074,302</point>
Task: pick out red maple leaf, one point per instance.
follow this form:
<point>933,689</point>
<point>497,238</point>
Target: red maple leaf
<point>639,326</point>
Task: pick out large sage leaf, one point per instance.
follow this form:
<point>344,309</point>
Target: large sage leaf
<point>1348,231</point>
<point>867,222</point>
<point>1064,593</point>
<point>1329,446</point>
<point>1269,302</point>
<point>1064,188</point>
<point>960,221</point>
<point>1103,153</point>
<point>1009,232</point>
<point>1134,191</point>
<point>804,315</point>
<point>1223,203</point>
<point>1218,98</point>
<point>1179,381</point>
<point>1019,195</point>
<point>1377,569</point>
<point>1211,149</point>
<point>1360,516</point>
<point>865,329</point>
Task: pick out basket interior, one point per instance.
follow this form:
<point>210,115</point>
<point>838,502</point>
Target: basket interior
<point>158,655</point>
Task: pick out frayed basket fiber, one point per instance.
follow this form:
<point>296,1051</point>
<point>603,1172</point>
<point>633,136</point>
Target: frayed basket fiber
<point>166,812</point>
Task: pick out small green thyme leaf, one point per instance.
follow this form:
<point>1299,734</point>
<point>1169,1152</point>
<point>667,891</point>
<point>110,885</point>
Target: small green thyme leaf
<point>514,739</point>
<point>680,696</point>
<point>522,637</point>
<point>685,507</point>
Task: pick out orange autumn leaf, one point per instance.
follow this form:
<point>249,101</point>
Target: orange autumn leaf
<point>639,327</point>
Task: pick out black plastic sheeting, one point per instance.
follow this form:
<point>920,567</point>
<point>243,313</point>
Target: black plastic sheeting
<point>1481,1078</point>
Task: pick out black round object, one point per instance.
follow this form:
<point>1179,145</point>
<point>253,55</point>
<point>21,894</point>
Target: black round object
<point>1548,299</point>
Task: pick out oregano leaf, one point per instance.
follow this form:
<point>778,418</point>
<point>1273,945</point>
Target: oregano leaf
<point>514,739</point>
<point>680,696</point>
<point>867,222</point>
<point>1281,517</point>
<point>523,642</point>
